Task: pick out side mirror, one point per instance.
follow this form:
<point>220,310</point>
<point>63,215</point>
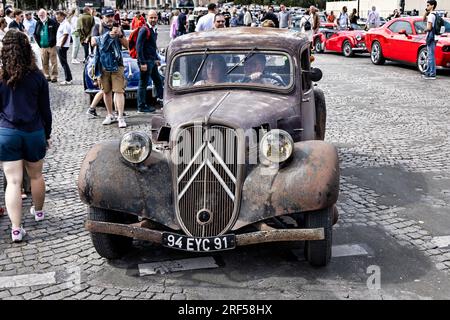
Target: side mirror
<point>403,31</point>
<point>316,74</point>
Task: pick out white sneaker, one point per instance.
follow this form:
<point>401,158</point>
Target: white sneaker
<point>38,215</point>
<point>65,83</point>
<point>122,123</point>
<point>18,234</point>
<point>75,61</point>
<point>109,119</point>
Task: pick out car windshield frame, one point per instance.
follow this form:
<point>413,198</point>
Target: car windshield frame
<point>241,51</point>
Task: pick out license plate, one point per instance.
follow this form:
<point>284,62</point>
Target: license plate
<point>193,244</point>
<point>130,95</point>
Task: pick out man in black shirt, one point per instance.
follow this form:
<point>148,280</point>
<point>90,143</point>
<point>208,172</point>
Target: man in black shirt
<point>227,16</point>
<point>17,23</point>
<point>271,16</point>
<point>182,22</point>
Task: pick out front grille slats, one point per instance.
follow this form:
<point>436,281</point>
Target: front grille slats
<point>219,146</point>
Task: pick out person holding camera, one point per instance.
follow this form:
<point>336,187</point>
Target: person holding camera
<point>108,37</point>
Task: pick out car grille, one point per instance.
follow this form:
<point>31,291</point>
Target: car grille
<point>207,183</point>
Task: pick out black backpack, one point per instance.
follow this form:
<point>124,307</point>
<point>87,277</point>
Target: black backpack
<point>307,25</point>
<point>438,24</point>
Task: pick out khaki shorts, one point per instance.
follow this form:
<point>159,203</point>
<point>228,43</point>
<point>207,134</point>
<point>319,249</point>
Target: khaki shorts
<point>114,81</point>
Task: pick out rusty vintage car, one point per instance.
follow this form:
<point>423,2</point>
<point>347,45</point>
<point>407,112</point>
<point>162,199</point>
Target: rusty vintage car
<point>237,158</point>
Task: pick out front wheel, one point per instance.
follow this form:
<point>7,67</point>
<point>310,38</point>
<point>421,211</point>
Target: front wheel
<point>110,246</point>
<point>422,60</point>
<point>376,54</point>
<point>318,45</point>
<point>347,50</point>
<point>318,253</point>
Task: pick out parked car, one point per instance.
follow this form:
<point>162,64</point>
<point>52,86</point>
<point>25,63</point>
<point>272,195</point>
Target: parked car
<point>348,42</point>
<point>131,71</point>
<point>403,39</point>
<point>238,151</point>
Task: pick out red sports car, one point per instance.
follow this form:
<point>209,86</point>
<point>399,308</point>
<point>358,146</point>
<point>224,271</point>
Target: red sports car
<point>403,39</point>
<point>348,42</point>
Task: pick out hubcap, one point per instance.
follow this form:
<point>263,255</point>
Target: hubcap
<point>347,49</point>
<point>423,57</point>
<point>318,46</point>
<point>375,53</point>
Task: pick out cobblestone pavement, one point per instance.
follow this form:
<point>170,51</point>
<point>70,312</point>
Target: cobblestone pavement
<point>391,129</point>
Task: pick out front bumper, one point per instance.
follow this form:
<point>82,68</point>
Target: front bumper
<point>143,231</point>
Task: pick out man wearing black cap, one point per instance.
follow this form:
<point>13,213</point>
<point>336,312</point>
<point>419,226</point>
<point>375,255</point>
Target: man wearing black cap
<point>109,38</point>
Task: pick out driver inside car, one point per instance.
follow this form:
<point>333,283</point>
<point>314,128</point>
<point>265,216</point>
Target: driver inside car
<point>254,69</point>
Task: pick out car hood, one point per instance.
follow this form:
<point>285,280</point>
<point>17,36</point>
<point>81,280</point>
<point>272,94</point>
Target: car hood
<point>238,108</point>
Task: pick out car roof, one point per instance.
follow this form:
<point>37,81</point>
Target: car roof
<point>240,38</point>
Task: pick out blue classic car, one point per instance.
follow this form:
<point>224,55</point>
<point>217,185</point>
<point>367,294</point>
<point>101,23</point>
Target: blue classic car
<point>91,85</point>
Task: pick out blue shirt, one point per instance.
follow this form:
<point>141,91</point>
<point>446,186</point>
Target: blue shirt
<point>30,25</point>
<point>27,107</point>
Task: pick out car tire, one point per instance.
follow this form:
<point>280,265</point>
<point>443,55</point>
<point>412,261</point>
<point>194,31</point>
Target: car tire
<point>347,50</point>
<point>318,45</point>
<point>422,58</point>
<point>321,113</point>
<point>376,54</point>
<point>318,252</point>
<point>110,246</point>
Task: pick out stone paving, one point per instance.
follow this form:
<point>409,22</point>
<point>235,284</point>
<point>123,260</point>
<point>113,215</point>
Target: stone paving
<point>383,119</point>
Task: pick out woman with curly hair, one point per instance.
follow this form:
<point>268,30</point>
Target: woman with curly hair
<point>25,126</point>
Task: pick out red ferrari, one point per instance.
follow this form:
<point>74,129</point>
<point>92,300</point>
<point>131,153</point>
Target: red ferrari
<point>403,39</point>
<point>348,42</point>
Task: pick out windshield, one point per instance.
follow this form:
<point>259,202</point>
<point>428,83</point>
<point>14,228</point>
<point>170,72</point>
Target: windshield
<point>250,67</point>
<point>421,26</point>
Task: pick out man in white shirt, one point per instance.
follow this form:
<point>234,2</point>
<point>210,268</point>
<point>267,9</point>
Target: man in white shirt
<point>373,18</point>
<point>30,25</point>
<point>343,20</point>
<point>63,44</point>
<point>430,73</point>
<point>206,22</point>
<point>9,14</point>
<point>247,18</point>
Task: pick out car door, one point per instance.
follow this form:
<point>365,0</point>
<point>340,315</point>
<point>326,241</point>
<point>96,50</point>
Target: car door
<point>400,45</point>
<point>333,43</point>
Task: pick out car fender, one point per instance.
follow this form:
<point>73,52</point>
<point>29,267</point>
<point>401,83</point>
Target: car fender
<point>309,182</point>
<point>108,181</point>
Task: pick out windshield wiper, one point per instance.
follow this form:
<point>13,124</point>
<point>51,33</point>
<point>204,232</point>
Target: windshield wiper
<point>205,55</point>
<point>248,55</point>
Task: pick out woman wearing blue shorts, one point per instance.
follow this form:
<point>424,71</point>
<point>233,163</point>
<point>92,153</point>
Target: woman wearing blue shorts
<point>25,126</point>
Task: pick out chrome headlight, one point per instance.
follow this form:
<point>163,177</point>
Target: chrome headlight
<point>135,146</point>
<point>276,146</point>
<point>358,37</point>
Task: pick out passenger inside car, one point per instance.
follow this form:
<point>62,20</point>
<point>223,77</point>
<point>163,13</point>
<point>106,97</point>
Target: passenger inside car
<point>214,71</point>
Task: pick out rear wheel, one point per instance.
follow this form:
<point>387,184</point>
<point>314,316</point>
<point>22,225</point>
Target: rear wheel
<point>422,60</point>
<point>318,253</point>
<point>347,50</point>
<point>111,246</point>
<point>376,54</point>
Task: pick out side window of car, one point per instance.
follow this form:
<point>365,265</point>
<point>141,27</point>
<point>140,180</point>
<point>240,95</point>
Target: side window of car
<point>306,68</point>
<point>401,25</point>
